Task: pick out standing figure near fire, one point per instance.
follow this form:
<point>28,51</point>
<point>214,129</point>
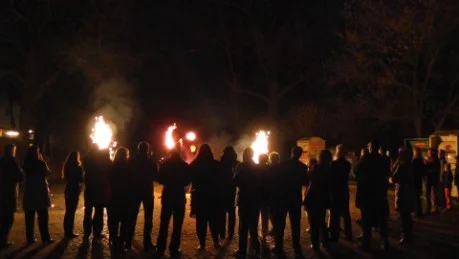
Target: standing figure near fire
<point>339,178</point>
<point>441,199</point>
<point>419,171</point>
<point>248,202</point>
<point>403,179</point>
<point>145,171</point>
<point>228,163</point>
<point>121,200</point>
<point>287,199</point>
<point>73,174</point>
<point>206,195</point>
<point>36,195</point>
<point>266,191</point>
<point>96,192</point>
<point>10,175</point>
<point>318,199</point>
<point>174,174</point>
<point>372,188</point>
<point>433,178</point>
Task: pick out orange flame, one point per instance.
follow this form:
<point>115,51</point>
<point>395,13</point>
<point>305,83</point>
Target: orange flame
<point>260,145</point>
<point>170,142</point>
<point>191,136</point>
<point>101,133</point>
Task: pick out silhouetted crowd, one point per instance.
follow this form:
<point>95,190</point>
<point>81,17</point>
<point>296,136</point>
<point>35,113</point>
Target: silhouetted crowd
<point>269,190</point>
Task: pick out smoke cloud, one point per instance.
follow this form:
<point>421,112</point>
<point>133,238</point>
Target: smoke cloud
<point>115,100</point>
<point>220,141</point>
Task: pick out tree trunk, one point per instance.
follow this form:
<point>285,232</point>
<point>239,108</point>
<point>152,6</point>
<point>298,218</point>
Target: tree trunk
<point>417,123</point>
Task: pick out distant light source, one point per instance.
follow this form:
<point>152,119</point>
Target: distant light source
<point>191,136</point>
<point>30,131</point>
<point>12,133</point>
<point>193,148</point>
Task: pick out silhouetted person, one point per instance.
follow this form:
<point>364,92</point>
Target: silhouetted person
<point>447,176</point>
<point>121,200</point>
<point>248,202</point>
<point>174,174</point>
<point>228,163</point>
<point>419,171</point>
<point>403,179</point>
<point>73,174</point>
<point>145,171</point>
<point>36,195</point>
<point>318,199</point>
<point>441,199</point>
<point>206,195</point>
<point>266,191</point>
<point>433,178</point>
<point>339,178</point>
<point>372,187</point>
<point>274,168</point>
<point>10,175</point>
<point>287,199</point>
<point>96,192</point>
<point>311,166</point>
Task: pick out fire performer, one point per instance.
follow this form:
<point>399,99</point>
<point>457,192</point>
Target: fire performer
<point>174,175</point>
<point>96,193</point>
<point>10,175</point>
<point>228,163</point>
<point>206,195</point>
<point>145,171</point>
<point>287,198</point>
<point>248,202</point>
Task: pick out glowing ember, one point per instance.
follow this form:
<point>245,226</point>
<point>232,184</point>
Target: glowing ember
<point>170,142</point>
<point>193,148</point>
<point>101,133</point>
<point>190,136</point>
<point>260,145</point>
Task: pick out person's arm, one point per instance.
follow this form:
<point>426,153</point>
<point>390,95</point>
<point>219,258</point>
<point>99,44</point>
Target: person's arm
<point>18,173</point>
<point>397,175</point>
<point>154,171</point>
<point>237,178</point>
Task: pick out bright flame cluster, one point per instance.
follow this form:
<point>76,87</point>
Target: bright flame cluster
<point>102,133</point>
<point>260,145</point>
<point>170,141</point>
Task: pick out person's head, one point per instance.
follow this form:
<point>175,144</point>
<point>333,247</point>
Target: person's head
<point>312,162</point>
<point>325,157</point>
<point>33,153</point>
<point>340,151</point>
<point>363,153</point>
<point>228,154</point>
<point>73,158</point>
<point>297,152</point>
<point>204,153</point>
<point>247,155</point>
<point>382,151</point>
<point>121,155</point>
<point>373,147</point>
<point>143,148</point>
<point>274,158</point>
<point>442,154</point>
<point>10,150</point>
<point>417,153</point>
<point>263,159</point>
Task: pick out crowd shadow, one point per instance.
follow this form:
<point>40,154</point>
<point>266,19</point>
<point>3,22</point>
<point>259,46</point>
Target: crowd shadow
<point>13,254</point>
<point>34,251</point>
<point>59,249</point>
<point>83,250</point>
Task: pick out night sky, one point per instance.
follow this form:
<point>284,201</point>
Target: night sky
<point>146,64</point>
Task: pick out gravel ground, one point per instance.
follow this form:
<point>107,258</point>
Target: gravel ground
<point>436,236</point>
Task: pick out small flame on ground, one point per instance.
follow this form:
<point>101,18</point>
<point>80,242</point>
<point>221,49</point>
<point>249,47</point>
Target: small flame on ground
<point>101,133</point>
<point>190,136</point>
<point>260,145</point>
<point>170,142</point>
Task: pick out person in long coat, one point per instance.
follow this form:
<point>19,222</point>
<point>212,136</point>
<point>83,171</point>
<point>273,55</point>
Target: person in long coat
<point>145,172</point>
<point>96,192</point>
<point>73,173</point>
<point>420,172</point>
<point>174,174</point>
<point>206,195</point>
<point>248,202</point>
<point>287,196</point>
<point>266,188</point>
<point>318,199</point>
<point>403,178</point>
<point>339,179</point>
<point>10,175</point>
<point>228,163</point>
<point>36,195</point>
<point>433,181</point>
<point>121,200</point>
